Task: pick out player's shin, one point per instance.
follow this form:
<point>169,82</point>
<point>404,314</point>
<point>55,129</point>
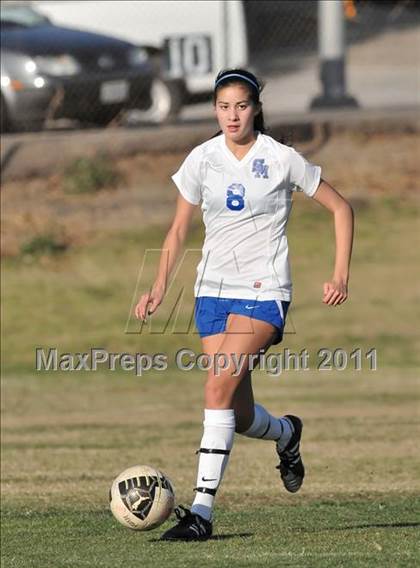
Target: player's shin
<point>216,443</point>
<point>267,427</point>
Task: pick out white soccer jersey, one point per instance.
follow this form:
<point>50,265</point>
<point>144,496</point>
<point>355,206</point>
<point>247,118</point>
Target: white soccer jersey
<point>245,205</point>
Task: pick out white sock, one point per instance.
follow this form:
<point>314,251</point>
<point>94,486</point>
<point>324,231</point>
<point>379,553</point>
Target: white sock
<point>267,427</point>
<point>219,430</point>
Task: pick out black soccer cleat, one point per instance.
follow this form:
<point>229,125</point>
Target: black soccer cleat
<point>291,467</point>
<point>190,526</point>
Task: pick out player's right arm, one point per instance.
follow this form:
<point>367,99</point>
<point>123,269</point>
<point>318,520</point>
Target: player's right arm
<point>171,248</point>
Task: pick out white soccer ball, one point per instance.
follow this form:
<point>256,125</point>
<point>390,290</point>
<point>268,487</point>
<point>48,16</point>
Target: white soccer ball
<point>141,497</point>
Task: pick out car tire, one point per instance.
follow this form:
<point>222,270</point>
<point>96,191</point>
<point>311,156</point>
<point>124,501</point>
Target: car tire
<point>168,96</point>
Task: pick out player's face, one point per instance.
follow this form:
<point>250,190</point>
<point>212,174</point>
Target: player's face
<point>235,113</point>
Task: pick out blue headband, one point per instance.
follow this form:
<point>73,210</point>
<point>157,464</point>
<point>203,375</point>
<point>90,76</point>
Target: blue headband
<point>243,77</point>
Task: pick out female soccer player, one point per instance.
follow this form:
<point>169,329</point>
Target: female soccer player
<point>244,180</point>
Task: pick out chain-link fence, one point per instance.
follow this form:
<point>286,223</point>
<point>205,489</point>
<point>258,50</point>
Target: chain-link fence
<point>278,31</point>
<point>382,52</point>
<point>147,61</point>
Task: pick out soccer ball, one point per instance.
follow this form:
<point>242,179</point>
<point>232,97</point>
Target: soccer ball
<point>141,497</point>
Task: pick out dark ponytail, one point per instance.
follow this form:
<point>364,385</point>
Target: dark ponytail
<point>259,123</point>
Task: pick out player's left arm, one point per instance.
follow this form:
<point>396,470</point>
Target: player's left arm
<point>336,289</point>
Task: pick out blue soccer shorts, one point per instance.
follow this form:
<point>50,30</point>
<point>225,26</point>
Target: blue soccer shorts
<point>211,313</point>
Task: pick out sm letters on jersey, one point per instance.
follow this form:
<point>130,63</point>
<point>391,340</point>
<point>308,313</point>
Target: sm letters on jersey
<point>259,168</point>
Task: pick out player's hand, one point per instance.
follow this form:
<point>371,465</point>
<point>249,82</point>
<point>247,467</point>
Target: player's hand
<point>149,302</point>
<point>335,292</point>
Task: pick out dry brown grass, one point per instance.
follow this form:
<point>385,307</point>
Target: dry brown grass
<point>66,438</point>
<point>359,166</point>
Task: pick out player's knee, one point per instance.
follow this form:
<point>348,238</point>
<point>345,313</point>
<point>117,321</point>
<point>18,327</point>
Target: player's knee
<point>218,392</point>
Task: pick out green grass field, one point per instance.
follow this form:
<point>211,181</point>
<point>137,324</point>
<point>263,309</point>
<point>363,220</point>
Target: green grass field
<point>65,436</point>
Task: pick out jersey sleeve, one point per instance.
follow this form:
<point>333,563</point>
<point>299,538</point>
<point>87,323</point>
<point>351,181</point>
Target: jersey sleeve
<point>303,175</point>
<point>187,178</point>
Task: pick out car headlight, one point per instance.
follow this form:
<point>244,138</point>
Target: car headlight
<point>137,56</point>
<point>57,65</point>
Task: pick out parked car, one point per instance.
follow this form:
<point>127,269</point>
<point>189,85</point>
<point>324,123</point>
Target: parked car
<point>195,39</point>
<point>50,72</point>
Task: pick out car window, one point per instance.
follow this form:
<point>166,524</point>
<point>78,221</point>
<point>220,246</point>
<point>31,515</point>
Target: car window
<point>21,16</point>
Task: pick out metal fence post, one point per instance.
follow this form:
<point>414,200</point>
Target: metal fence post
<point>226,39</point>
<point>331,45</point>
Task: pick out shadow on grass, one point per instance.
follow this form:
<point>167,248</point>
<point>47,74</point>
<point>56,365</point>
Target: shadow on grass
<point>367,526</point>
<point>214,537</point>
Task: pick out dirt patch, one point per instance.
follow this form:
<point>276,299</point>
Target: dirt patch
<point>358,165</point>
